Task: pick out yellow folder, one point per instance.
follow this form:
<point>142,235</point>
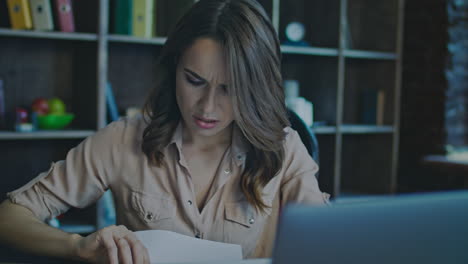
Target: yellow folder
<point>143,18</point>
<point>20,14</point>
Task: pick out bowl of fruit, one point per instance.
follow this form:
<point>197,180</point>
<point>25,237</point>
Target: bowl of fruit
<point>51,114</point>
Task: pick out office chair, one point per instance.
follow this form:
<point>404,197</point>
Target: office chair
<point>306,134</point>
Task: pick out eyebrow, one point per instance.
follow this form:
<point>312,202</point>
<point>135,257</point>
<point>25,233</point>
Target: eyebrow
<point>201,78</point>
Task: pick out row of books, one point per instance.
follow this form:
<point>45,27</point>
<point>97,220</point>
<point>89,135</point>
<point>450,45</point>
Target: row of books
<point>140,18</point>
<point>38,14</point>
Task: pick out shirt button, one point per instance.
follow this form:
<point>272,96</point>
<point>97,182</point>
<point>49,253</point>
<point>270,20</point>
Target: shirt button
<point>189,202</point>
<point>251,221</point>
<point>149,216</point>
<point>227,171</point>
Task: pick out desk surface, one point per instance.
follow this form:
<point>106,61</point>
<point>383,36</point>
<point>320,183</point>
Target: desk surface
<point>247,261</point>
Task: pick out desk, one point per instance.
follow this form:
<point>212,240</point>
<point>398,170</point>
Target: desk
<point>448,166</point>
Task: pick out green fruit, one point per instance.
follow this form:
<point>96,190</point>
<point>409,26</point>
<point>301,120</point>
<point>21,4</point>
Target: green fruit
<point>56,106</point>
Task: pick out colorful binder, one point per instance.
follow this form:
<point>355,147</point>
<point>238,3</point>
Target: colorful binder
<point>123,17</point>
<point>20,14</point>
<point>65,19</point>
<point>41,14</point>
<point>143,18</point>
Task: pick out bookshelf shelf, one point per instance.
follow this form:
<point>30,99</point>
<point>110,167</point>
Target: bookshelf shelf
<point>309,51</point>
<point>324,130</point>
<point>129,39</point>
<point>67,134</point>
<point>363,54</point>
<point>366,129</point>
<point>48,35</point>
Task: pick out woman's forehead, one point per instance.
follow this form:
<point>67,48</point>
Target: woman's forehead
<point>206,58</point>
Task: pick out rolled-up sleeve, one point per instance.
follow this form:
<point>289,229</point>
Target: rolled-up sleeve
<point>300,184</point>
<point>77,181</point>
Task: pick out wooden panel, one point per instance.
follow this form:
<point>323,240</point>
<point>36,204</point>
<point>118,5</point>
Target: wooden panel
<point>48,68</point>
<point>363,75</point>
<point>321,19</point>
<point>372,24</point>
<point>317,80</point>
<point>366,166</point>
<point>132,72</point>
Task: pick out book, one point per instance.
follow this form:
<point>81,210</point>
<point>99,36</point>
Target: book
<point>20,14</point>
<point>112,111</point>
<point>41,14</point>
<point>371,107</point>
<point>143,18</point>
<point>123,17</point>
<point>65,18</point>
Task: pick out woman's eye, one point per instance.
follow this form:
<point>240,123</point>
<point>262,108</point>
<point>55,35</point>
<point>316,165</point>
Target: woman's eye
<point>194,81</point>
<point>224,90</point>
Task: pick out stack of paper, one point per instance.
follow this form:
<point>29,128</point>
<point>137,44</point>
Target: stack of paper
<point>171,247</point>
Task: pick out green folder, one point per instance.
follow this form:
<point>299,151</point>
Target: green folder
<point>123,17</point>
<point>143,18</point>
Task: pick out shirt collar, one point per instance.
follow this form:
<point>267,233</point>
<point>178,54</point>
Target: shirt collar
<point>239,144</point>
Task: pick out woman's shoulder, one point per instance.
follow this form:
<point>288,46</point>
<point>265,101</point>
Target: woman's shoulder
<point>124,130</point>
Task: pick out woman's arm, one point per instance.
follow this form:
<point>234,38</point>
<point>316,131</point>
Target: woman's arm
<point>21,229</point>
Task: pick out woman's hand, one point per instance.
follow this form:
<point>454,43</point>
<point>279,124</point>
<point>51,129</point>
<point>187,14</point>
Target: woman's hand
<point>113,244</point>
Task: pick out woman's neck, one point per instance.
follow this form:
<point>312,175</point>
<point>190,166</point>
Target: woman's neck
<point>199,143</point>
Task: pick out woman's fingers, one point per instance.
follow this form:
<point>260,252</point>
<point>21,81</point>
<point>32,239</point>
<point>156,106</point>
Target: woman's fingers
<point>122,246</point>
<point>125,253</point>
<point>110,245</point>
<point>139,251</point>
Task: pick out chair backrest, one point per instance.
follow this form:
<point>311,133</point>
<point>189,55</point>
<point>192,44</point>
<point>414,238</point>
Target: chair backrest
<point>306,134</point>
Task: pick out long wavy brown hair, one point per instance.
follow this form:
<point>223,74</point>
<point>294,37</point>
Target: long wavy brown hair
<point>252,51</point>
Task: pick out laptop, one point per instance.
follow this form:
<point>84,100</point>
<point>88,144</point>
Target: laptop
<point>416,228</point>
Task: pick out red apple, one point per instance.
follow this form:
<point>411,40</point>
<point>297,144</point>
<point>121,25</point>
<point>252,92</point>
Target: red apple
<point>40,106</point>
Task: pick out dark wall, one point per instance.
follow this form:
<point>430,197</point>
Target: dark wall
<point>423,91</point>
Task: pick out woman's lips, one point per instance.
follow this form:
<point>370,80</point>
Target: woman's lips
<point>205,123</point>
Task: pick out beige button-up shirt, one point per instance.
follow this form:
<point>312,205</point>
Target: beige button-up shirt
<point>150,197</point>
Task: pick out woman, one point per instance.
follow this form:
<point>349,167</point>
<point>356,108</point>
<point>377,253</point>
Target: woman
<point>213,156</point>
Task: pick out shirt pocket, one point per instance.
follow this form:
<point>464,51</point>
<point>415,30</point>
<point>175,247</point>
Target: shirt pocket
<point>154,210</point>
<point>243,224</point>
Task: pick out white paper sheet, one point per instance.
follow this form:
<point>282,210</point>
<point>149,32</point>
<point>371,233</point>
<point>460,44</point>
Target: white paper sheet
<point>171,247</point>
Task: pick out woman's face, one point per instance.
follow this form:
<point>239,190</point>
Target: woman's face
<point>201,89</point>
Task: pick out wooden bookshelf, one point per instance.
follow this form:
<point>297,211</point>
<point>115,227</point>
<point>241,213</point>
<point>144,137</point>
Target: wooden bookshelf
<point>354,45</point>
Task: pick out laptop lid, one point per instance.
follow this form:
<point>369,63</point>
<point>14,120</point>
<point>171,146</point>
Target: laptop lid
<point>422,228</point>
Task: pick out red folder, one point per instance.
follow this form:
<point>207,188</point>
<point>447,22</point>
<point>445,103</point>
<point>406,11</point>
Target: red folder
<point>65,19</point>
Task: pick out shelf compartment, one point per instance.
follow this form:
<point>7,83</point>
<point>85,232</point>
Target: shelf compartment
<point>131,73</point>
<point>47,35</point>
<point>75,85</point>
<point>369,93</point>
<point>366,163</point>
<point>371,25</point>
<point>317,77</point>
<point>320,19</point>
<point>61,134</point>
